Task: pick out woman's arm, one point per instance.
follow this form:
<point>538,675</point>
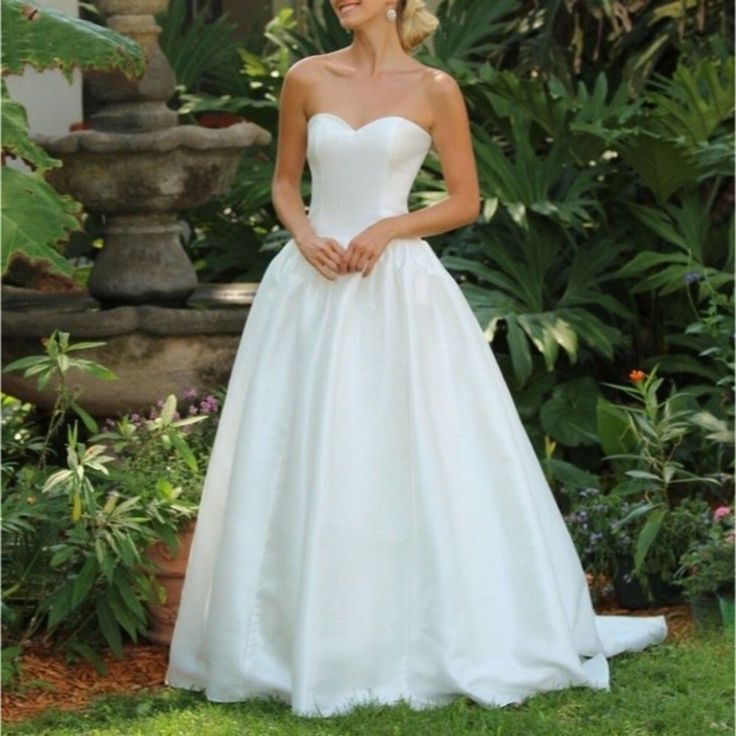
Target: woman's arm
<point>325,254</point>
<point>291,153</point>
<point>451,137</point>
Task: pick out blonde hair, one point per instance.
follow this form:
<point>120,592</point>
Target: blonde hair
<point>414,22</point>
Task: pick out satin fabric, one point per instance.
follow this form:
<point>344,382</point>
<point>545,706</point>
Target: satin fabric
<point>374,524</point>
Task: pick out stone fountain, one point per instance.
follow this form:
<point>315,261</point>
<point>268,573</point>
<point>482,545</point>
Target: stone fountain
<point>138,167</point>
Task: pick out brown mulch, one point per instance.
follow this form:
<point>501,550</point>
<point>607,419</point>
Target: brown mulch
<point>73,687</point>
<point>144,666</point>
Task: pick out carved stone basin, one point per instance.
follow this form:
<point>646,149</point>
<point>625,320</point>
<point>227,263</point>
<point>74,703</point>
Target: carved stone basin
<point>151,172</point>
<point>153,350</point>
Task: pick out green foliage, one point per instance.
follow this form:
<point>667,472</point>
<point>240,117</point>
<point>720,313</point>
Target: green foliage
<point>11,668</point>
<point>470,30</point>
<point>708,565</point>
<point>605,528</point>
<point>665,166</point>
<point>99,568</point>
<point>52,39</point>
<point>321,31</point>
<point>32,232</point>
<point>658,427</point>
<point>549,296</point>
<point>162,450</point>
<point>14,132</point>
<point>53,367</point>
<point>35,218</point>
<point>685,229</point>
<point>73,537</point>
<point>694,102</point>
<point>569,415</point>
<point>199,49</point>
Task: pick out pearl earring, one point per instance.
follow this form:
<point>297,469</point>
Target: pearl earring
<point>391,15</point>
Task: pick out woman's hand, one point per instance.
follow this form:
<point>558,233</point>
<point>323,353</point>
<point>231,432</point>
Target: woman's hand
<point>325,254</point>
<point>366,247</point>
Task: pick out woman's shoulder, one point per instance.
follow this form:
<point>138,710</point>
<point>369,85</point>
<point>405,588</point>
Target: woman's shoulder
<point>300,69</point>
<point>309,67</point>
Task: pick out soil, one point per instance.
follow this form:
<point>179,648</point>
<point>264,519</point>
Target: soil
<point>47,682</point>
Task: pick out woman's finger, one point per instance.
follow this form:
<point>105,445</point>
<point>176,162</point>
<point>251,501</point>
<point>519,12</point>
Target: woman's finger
<point>328,259</point>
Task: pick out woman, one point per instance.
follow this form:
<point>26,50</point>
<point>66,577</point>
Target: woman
<point>375,525</point>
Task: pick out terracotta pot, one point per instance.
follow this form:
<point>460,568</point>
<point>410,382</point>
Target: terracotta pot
<point>170,575</point>
<point>219,119</point>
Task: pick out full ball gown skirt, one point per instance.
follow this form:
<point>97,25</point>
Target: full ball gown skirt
<point>374,523</point>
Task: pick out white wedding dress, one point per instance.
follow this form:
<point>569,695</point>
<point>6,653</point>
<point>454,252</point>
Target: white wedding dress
<point>375,524</point>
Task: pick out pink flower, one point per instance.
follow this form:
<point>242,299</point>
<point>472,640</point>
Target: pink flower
<point>720,512</point>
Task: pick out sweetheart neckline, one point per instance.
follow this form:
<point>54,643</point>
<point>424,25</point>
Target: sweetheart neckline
<point>370,122</point>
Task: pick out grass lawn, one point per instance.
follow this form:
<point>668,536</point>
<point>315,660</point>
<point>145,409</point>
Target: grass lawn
<point>683,688</point>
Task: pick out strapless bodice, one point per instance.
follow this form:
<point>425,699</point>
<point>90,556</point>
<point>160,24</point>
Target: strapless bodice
<point>360,175</point>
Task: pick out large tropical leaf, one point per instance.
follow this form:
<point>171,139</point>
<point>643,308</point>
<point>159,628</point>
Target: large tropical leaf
<point>684,231</point>
<point>35,216</point>
<point>664,165</point>
<point>523,282</point>
<point>15,140</point>
<point>682,114</point>
<point>51,39</point>
<point>532,182</point>
<point>569,415</point>
<point>587,120</point>
<point>198,48</point>
<point>471,30</point>
<point>693,102</point>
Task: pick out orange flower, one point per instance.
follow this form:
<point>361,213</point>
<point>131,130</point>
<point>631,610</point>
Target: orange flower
<point>637,375</point>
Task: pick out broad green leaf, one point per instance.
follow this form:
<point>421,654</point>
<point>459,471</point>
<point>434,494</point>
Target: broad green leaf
<point>86,418</point>
<point>34,218</point>
<point>647,535</point>
<point>55,40</point>
<point>109,626</point>
<point>14,130</point>
<point>168,409</point>
<point>84,581</point>
<point>59,606</point>
<point>663,165</point>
